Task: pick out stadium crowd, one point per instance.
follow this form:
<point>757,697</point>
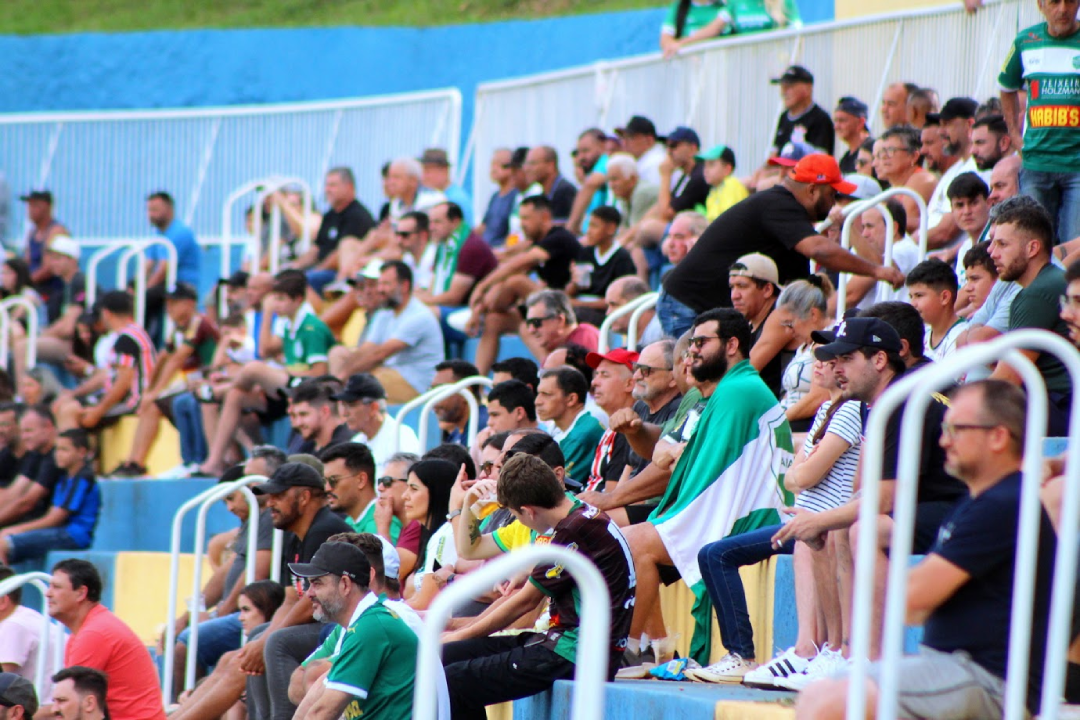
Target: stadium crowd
<point>732,432</point>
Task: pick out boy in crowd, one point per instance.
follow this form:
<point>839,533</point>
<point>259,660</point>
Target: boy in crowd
<point>600,262</point>
<point>727,189</point>
<point>69,523</point>
<point>980,275</point>
<point>932,288</point>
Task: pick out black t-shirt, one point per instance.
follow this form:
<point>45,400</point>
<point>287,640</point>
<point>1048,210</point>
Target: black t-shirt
<point>40,468</point>
<point>294,550</point>
<point>847,161</point>
<point>264,541</point>
<point>771,222</point>
<point>659,417</point>
<point>979,537</point>
<point>563,249</point>
<point>817,128</point>
<point>618,264</point>
<point>563,193</point>
<point>9,466</point>
<point>691,190</point>
<point>342,433</point>
<point>71,293</point>
<point>353,221</point>
<point>774,369</point>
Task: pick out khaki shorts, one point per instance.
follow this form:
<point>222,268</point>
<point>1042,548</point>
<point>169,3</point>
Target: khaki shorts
<point>398,390</point>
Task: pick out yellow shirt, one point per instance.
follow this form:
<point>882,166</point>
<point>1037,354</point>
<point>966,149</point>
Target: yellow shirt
<point>723,196</point>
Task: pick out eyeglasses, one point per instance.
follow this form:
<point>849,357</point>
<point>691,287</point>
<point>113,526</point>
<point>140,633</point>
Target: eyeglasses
<point>861,161</point>
<point>1069,302</point>
<point>950,430</point>
<point>535,323</point>
<point>333,480</point>
<point>698,341</point>
<point>486,466</point>
<point>405,233</point>
<point>647,370</point>
<point>886,152</point>
<point>387,480</point>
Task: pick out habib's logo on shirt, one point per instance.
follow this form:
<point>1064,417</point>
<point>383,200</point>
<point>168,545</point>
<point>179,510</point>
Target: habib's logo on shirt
<point>1054,116</point>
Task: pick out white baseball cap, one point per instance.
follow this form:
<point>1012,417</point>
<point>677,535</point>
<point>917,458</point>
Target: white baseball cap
<point>391,561</point>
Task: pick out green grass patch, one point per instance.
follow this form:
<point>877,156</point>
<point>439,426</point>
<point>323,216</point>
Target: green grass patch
<point>66,16</point>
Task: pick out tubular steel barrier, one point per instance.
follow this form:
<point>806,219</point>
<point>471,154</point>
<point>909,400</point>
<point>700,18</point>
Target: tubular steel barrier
<point>40,580</point>
<point>635,318</point>
<point>138,250</point>
<point>463,388</point>
<point>33,320</point>
<point>422,399</point>
<point>648,299</point>
<point>590,664</point>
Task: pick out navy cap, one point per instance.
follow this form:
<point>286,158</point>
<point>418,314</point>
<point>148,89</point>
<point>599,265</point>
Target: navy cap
<point>291,474</point>
<point>794,74</point>
<point>855,333</point>
<point>853,106</point>
<point>683,134</point>
<point>43,195</point>
<point>361,386</point>
<point>637,125</point>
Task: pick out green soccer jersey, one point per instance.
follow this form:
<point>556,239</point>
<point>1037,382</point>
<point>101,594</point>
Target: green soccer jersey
<point>698,16</point>
<point>306,341</point>
<point>377,666</point>
<point>755,15</point>
<point>366,523</point>
<point>1050,67</point>
<point>579,446</point>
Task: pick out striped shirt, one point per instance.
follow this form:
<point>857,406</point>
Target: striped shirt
<point>835,488</point>
<point>133,349</point>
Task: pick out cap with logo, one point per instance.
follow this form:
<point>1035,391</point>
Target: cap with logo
<point>866,187</point>
<point>683,134</point>
<point>435,156</point>
<point>618,355</point>
<point>638,125</point>
<point>957,107</point>
<point>289,475</point>
<point>791,154</point>
<point>853,106</point>
<point>756,266</point>
<point>183,291</point>
<point>64,245</point>
<point>17,690</point>
<point>34,195</point>
<point>820,169</point>
<point>335,558</point>
<point>794,74</point>
<point>718,152</point>
<point>361,386</point>
<point>856,333</point>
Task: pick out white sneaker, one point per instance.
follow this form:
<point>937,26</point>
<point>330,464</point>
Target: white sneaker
<point>180,472</point>
<point>780,667</point>
<point>730,669</point>
<point>827,663</point>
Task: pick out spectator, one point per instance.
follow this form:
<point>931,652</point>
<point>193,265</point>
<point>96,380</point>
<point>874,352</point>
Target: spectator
<point>69,524</point>
<point>969,197</point>
<point>406,192</point>
<point>375,669</point>
<point>894,103</point>
<point>495,298</point>
<point>684,231</point>
<point>980,277</point>
<point>523,369</point>
<point>560,399</point>
<point>613,389</point>
<point>435,175</point>
<point>496,223</point>
<point>779,167</point>
<point>633,196</point>
<point>641,141</point>
<point>623,290</point>
<point>511,406</point>
<point>803,119</point>
<point>426,542</point>
<point>776,223</point>
<point>591,160</point>
<point>850,125</point>
<point>17,697</point>
<point>656,400</point>
<point>530,489</point>
<point>413,235</point>
<point>20,637</point>
<point>552,323</point>
<point>315,416</point>
<point>726,189</point>
<point>863,291</point>
<point>689,22</point>
<point>920,104</point>
<point>392,482</point>
<point>453,412</point>
<point>1021,249</point>
<point>542,172</point>
<point>102,641</point>
<point>1047,137</point>
<point>362,402</point>
<point>956,591</point>
<point>305,343</point>
<point>11,445</point>
<point>161,211</point>
<point>39,211</point>
<point>345,222</point>
<point>66,302</point>
<point>80,694</point>
<point>990,143</point>
<point>755,285</point>
<point>932,147</point>
<point>957,118</point>
<point>932,286</point>
<point>401,343</point>
<point>349,469</point>
<point>896,160</point>
<point>599,263</point>
<point>28,496</point>
<point>864,159</point>
<point>15,283</point>
<point>700,503</point>
<point>682,178</point>
<point>1005,179</point>
<point>190,349</point>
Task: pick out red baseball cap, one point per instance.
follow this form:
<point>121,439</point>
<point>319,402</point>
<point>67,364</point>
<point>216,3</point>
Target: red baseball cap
<point>821,169</point>
<point>618,355</point>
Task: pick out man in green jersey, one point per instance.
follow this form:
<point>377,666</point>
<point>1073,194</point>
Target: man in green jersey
<point>1046,58</point>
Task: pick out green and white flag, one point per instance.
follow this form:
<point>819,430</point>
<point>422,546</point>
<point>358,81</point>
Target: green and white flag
<point>729,480</point>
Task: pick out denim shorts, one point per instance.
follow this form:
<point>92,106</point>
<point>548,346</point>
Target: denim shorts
<point>216,637</point>
<point>37,543</point>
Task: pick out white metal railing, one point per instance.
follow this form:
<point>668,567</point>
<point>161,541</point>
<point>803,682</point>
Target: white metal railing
<point>591,661</point>
<point>916,391</point>
<point>132,248</point>
<point>604,344</point>
<point>102,165</point>
<point>39,580</point>
<point>635,319</point>
<point>203,501</point>
<point>32,322</point>
<point>721,88</point>
<point>447,392</point>
<point>271,186</point>
<point>422,399</point>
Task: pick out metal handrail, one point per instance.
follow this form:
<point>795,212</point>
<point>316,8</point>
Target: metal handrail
<point>635,318</point>
<point>851,212</point>
<point>591,661</point>
<point>450,391</point>
<point>916,389</point>
<point>418,401</point>
<point>92,266</point>
<point>268,187</point>
<point>605,327</point>
<point>32,321</point>
<point>138,249</point>
<point>40,580</point>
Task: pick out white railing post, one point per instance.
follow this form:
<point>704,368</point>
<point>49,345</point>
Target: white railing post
<point>92,269</point>
<point>32,327</point>
<point>137,249</point>
<point>39,580</point>
<point>591,661</point>
<point>604,343</point>
<point>635,319</point>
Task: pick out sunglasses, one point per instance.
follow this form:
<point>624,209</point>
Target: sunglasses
<point>387,480</point>
<point>535,323</point>
<point>647,370</point>
<point>699,341</point>
<point>405,233</point>
<point>486,466</point>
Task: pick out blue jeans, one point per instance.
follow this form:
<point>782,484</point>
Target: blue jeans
<point>37,543</point>
<point>675,317</point>
<point>216,637</point>
<point>1059,193</point>
<point>318,279</point>
<point>719,563</point>
<point>187,417</point>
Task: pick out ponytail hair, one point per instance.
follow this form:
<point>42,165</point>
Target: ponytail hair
<point>681,14</point>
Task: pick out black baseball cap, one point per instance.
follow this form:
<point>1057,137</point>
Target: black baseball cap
<point>335,558</point>
<point>237,280</point>
<point>291,474</point>
<point>17,690</point>
<point>683,134</point>
<point>853,106</point>
<point>232,474</point>
<point>43,195</point>
<point>638,125</point>
<point>853,334</point>
<point>795,74</point>
<point>361,386</point>
<point>957,107</point>
<point>183,291</point>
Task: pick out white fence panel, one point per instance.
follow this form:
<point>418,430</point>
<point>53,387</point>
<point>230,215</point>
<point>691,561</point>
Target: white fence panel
<point>722,88</point>
<point>101,166</point>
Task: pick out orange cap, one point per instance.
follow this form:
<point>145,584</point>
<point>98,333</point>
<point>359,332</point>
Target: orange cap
<point>821,169</point>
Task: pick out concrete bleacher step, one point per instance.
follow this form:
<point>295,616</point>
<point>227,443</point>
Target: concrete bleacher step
<point>138,514</point>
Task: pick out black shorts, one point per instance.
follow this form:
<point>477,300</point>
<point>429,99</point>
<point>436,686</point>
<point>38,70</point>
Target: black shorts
<point>277,407</point>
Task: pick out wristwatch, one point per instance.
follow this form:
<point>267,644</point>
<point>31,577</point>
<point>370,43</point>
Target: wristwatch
<point>453,514</point>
